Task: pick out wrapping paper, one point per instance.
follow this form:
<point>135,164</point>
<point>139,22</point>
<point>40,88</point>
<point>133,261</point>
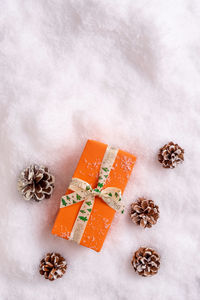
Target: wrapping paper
<point>102,215</point>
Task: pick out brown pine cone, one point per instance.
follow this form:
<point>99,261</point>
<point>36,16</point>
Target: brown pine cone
<point>170,155</point>
<point>36,183</point>
<point>146,262</point>
<point>144,212</point>
<point>52,266</point>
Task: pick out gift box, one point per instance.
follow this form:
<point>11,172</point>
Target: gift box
<point>94,195</point>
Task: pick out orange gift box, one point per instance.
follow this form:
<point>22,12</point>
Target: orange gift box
<point>102,215</point>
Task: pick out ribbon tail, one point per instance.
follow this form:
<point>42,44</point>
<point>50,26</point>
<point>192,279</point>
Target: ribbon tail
<point>82,219</point>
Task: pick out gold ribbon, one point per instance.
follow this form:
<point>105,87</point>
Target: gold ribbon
<point>82,191</point>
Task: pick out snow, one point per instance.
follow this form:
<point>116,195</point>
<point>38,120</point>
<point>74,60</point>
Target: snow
<point>125,73</point>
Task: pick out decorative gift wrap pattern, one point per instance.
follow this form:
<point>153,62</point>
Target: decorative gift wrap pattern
<point>94,195</point>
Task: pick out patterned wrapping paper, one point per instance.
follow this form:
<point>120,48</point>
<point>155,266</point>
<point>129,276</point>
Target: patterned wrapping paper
<point>90,229</point>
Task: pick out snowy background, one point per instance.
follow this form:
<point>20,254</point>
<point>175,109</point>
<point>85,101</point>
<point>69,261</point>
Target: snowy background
<point>126,73</point>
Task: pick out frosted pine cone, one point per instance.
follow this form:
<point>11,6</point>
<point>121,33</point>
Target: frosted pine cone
<point>146,262</point>
<point>53,266</point>
<point>36,183</point>
<point>170,155</point>
<point>144,212</point>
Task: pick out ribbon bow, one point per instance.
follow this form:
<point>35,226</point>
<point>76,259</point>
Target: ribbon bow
<point>82,191</point>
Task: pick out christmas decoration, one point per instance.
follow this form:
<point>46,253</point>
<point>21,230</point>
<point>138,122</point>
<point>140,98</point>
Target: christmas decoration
<point>52,266</point>
<point>170,155</point>
<point>146,262</point>
<point>36,183</point>
<point>94,195</point>
<point>144,212</point>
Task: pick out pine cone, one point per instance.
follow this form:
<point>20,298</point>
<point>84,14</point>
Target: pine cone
<point>36,183</point>
<point>53,266</point>
<point>144,212</point>
<point>170,155</point>
<point>146,262</point>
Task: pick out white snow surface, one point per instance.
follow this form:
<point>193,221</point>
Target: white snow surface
<point>126,73</point>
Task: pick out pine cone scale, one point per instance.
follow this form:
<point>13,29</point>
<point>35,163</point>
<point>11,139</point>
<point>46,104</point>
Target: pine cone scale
<point>48,190</point>
<point>49,264</point>
<point>38,188</point>
<point>43,184</point>
<point>144,204</point>
<point>46,177</point>
<point>143,223</point>
<point>26,189</point>
<point>38,177</point>
<point>39,196</point>
<point>137,208</point>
